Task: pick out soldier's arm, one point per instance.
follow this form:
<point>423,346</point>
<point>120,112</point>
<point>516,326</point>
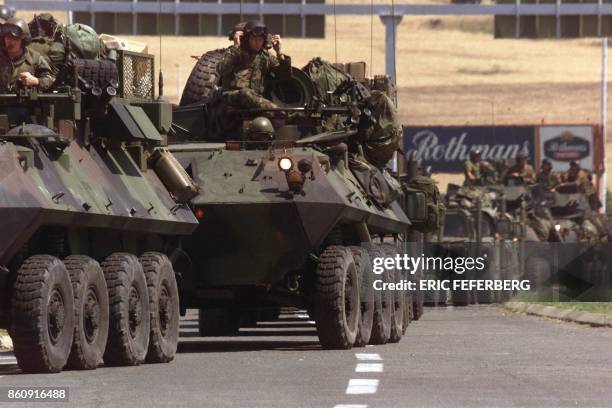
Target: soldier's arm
<point>231,62</point>
<point>44,74</point>
<point>280,65</point>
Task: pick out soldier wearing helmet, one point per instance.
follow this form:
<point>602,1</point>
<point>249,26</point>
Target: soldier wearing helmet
<point>247,64</point>
<point>21,65</point>
<point>260,129</point>
<point>521,169</point>
<point>547,178</point>
<point>471,169</point>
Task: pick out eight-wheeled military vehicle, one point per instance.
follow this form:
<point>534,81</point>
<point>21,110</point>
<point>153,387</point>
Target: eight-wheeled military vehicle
<point>476,224</point>
<point>91,205</point>
<point>293,213</point>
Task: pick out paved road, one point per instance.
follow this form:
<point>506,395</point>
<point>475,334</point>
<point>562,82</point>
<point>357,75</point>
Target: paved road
<point>475,357</point>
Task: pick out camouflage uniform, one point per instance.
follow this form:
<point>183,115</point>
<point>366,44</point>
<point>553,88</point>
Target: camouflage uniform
<point>474,168</point>
<point>548,180</point>
<point>527,173</point>
<point>580,179</point>
<point>243,75</point>
<point>30,61</point>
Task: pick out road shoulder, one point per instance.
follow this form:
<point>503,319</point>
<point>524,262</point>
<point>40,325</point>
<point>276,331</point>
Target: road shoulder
<point>568,315</point>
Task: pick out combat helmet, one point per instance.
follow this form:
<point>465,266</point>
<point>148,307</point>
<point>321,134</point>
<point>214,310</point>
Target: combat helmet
<point>260,129</point>
<point>17,27</point>
<point>255,28</point>
<point>475,154</point>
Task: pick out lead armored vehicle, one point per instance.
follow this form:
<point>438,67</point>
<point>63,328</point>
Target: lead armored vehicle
<point>293,213</point>
<point>91,205</point>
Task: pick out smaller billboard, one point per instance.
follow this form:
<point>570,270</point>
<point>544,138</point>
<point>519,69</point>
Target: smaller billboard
<point>563,144</point>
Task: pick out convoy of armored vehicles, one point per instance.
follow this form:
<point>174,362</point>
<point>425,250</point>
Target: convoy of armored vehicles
<point>110,233</point>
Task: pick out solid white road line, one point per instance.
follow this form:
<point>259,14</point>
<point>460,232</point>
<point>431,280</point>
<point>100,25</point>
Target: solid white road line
<point>368,356</point>
<point>350,406</point>
<point>369,368</point>
<point>362,386</point>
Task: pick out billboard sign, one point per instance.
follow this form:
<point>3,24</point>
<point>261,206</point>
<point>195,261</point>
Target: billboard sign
<point>563,144</point>
<point>446,148</point>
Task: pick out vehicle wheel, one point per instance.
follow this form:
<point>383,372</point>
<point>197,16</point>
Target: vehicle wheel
<point>218,322</point>
<point>383,304</point>
<point>336,301</point>
<point>42,315</point>
<point>366,295</point>
<point>203,78</point>
<point>129,322</point>
<point>163,305</point>
<point>408,312</point>
<point>91,312</point>
<point>537,270</point>
<point>399,298</point>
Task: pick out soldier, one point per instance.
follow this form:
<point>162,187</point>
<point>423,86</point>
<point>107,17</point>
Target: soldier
<point>471,169</point>
<point>19,63</point>
<point>246,65</point>
<point>521,169</point>
<point>546,177</point>
<point>576,176</point>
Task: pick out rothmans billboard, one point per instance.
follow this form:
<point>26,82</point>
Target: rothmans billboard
<point>563,144</point>
<point>446,148</point>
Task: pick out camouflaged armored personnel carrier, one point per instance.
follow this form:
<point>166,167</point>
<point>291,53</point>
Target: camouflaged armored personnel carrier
<point>293,213</point>
<point>91,205</point>
<point>476,224</point>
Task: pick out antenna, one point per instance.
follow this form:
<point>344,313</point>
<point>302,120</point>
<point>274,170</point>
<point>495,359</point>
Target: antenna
<point>160,83</point>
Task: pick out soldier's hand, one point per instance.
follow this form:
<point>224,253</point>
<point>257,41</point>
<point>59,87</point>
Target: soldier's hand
<point>237,37</point>
<point>28,79</point>
<point>276,43</point>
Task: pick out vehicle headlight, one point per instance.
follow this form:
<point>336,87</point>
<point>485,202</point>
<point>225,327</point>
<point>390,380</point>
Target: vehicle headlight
<point>557,227</point>
<point>285,163</point>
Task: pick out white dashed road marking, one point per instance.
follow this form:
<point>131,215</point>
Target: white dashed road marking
<point>369,368</point>
<point>362,386</point>
<point>368,356</point>
<point>350,406</point>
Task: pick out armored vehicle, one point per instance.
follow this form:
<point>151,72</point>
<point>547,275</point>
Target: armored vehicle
<point>574,249</point>
<point>476,224</point>
<point>91,205</point>
<point>293,213</point>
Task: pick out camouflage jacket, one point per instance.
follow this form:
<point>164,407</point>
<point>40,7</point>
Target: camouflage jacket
<point>473,168</point>
<point>53,51</point>
<point>243,69</point>
<point>548,180</point>
<point>582,180</point>
<point>527,173</point>
<point>30,61</point>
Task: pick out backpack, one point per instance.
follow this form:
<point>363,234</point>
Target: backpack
<point>435,206</point>
<point>326,78</point>
<point>84,41</point>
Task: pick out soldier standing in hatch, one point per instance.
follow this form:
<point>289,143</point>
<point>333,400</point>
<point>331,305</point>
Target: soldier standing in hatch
<point>18,63</point>
<point>246,65</point>
<point>582,180</point>
<point>521,169</point>
<point>471,169</point>
<point>546,178</point>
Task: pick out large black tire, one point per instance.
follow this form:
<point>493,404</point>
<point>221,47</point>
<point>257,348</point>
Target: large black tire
<point>100,72</point>
<point>42,315</point>
<point>218,322</point>
<point>366,295</point>
<point>399,298</point>
<point>129,322</point>
<point>163,305</point>
<point>383,304</point>
<point>203,78</point>
<point>538,271</point>
<point>90,311</point>
<point>336,299</point>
